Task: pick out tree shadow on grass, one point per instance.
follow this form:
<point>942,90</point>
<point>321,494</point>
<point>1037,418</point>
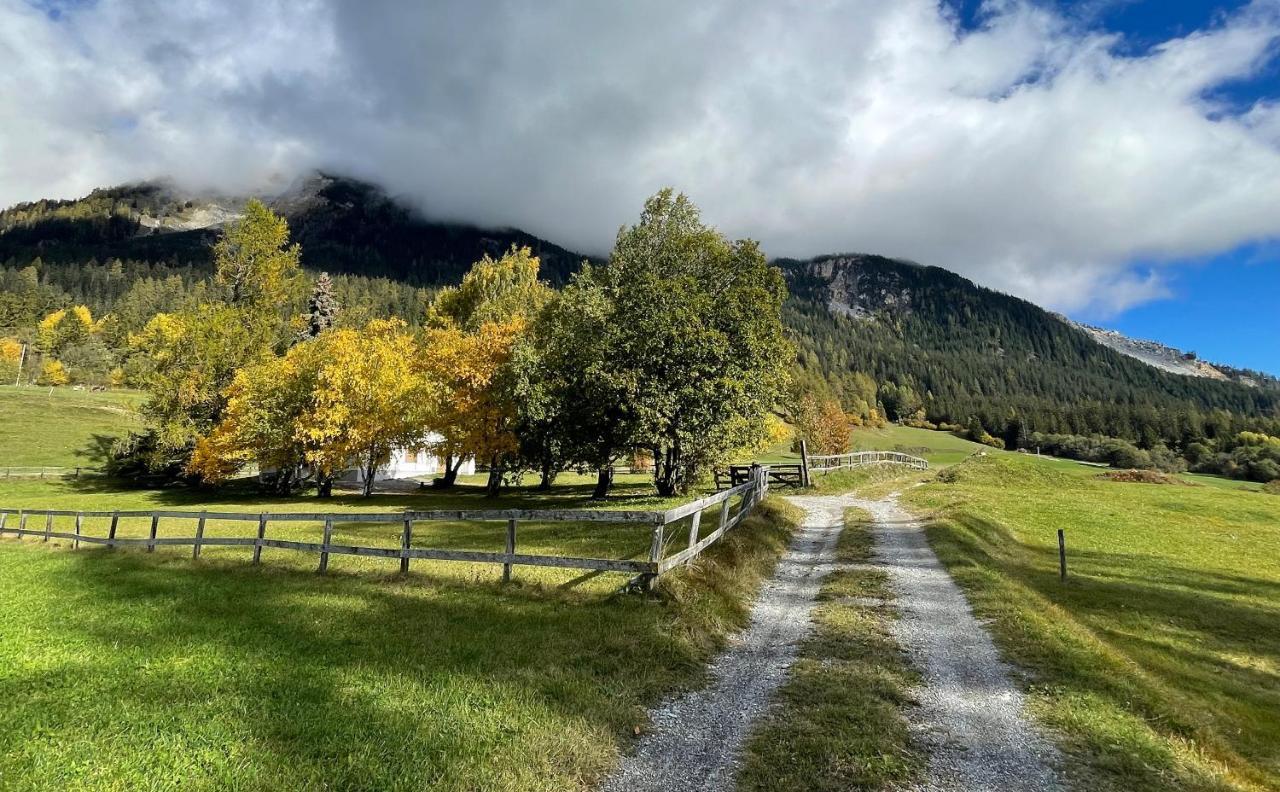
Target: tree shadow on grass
<point>346,681</point>
<point>246,492</point>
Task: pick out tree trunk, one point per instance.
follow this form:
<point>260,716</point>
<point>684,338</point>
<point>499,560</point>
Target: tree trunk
<point>371,469</point>
<point>493,487</point>
<point>451,467</point>
<point>604,482</point>
<point>548,474</point>
<point>666,470</point>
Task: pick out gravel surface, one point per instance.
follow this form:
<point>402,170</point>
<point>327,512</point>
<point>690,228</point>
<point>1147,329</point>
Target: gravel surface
<point>696,739</point>
<point>969,717</point>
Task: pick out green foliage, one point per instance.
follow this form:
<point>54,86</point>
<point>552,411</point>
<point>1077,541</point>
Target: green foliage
<point>254,261</point>
<point>971,352</point>
<point>493,291</point>
<point>694,339</point>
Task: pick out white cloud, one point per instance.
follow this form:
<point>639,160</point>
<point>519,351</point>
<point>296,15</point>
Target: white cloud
<point>1029,154</point>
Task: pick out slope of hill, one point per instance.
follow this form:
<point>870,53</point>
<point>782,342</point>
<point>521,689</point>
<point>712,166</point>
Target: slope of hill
<point>969,351</point>
<point>344,226</point>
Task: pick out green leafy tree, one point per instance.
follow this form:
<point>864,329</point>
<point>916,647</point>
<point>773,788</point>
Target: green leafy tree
<point>254,261</point>
<point>695,338</point>
<point>576,407</point>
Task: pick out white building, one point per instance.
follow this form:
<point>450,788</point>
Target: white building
<point>407,463</point>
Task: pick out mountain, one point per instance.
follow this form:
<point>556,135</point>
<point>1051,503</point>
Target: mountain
<point>343,225</point>
<point>969,351</point>
<point>923,336</point>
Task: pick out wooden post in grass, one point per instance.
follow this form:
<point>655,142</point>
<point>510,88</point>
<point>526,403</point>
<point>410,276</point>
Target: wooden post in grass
<point>4,516</point>
<point>694,527</point>
<point>655,556</point>
<point>79,524</point>
<point>262,532</point>
<point>511,549</point>
<point>405,539</point>
<point>111,532</point>
<point>1062,556</point>
<point>195,547</point>
<point>22,523</point>
<point>804,463</point>
<point>324,547</point>
<point>155,527</point>
<point>48,526</point>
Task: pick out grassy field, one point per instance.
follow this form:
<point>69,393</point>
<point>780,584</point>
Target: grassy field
<point>1158,662</point>
<point>123,670</point>
<point>61,427</point>
<point>838,722</point>
<point>939,448</point>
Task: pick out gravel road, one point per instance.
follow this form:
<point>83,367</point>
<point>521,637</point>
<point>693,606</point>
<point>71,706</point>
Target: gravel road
<point>696,739</point>
<point>970,714</point>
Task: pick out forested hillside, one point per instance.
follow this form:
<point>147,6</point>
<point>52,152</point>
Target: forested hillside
<point>879,336</point>
<point>343,226</point>
<point>946,351</point>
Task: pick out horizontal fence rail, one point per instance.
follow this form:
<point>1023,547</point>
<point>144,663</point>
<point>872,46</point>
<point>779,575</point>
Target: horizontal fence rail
<point>829,462</point>
<point>39,523</point>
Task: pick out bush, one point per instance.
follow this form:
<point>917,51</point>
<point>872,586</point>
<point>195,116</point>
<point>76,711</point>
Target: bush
<point>1272,487</point>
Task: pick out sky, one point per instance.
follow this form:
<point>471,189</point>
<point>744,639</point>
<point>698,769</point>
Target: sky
<point>1115,160</point>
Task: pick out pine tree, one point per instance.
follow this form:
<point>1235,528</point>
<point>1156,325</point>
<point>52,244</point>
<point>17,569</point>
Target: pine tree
<point>322,308</point>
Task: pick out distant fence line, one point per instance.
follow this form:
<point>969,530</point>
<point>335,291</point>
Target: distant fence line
<point>749,495</point>
<point>829,462</point>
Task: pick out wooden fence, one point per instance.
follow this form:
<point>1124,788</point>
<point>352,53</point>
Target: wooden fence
<point>830,462</point>
<point>782,475</point>
<point>749,494</point>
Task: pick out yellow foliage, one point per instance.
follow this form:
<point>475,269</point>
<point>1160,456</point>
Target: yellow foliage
<point>346,397</point>
<point>10,350</point>
<point>53,373</point>
<point>492,291</point>
<point>476,414</point>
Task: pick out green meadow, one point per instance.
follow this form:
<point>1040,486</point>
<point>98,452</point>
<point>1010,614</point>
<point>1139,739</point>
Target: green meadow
<point>1158,661</point>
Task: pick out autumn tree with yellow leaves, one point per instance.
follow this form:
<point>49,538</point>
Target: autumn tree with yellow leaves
<point>191,357</point>
<point>472,340</point>
<point>348,396</point>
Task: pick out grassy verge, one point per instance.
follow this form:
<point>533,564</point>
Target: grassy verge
<point>838,723</point>
<point>1158,663</point>
<point>126,671</point>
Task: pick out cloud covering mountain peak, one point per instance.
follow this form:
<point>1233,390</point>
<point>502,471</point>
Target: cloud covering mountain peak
<point>1027,152</point>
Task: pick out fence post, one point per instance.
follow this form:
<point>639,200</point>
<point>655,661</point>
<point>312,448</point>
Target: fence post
<point>511,549</point>
<point>694,527</point>
<point>111,532</point>
<point>405,539</point>
<point>22,523</point>
<point>1062,556</point>
<point>195,548</point>
<point>155,526</point>
<point>4,516</point>
<point>655,556</point>
<point>804,463</point>
<point>262,532</point>
<point>324,545</point>
<point>48,525</point>
<point>75,545</point>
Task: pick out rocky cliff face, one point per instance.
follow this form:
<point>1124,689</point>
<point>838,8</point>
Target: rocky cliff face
<point>1153,353</point>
